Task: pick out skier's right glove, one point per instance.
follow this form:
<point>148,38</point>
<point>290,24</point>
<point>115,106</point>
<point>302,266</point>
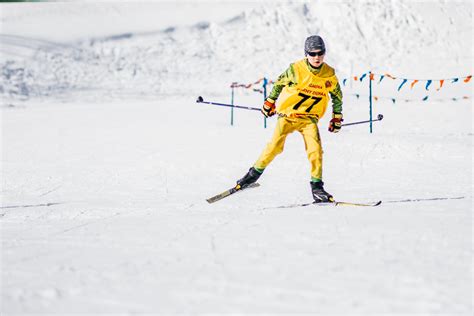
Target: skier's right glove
<point>335,123</point>
<point>268,108</point>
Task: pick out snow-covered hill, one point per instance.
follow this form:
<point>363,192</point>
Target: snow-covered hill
<point>206,57</point>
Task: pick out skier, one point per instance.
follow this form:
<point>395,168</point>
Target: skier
<point>302,94</point>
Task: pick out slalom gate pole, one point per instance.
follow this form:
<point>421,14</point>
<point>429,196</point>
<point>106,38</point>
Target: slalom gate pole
<point>264,98</point>
<point>370,100</point>
<point>232,109</point>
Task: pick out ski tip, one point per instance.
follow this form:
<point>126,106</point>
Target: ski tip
<point>211,200</point>
<point>228,192</point>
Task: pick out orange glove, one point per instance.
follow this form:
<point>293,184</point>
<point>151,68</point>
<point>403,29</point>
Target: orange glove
<point>268,108</point>
<point>335,123</point>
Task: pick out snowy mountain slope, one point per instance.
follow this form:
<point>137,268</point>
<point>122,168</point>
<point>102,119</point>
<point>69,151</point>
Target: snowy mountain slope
<point>382,36</point>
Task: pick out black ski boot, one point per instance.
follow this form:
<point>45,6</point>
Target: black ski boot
<point>251,177</point>
<point>319,195</point>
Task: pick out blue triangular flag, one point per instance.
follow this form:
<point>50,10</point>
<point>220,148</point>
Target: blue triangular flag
<point>404,81</point>
<point>428,84</point>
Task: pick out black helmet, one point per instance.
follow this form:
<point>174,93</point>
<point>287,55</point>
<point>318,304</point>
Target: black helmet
<point>314,42</point>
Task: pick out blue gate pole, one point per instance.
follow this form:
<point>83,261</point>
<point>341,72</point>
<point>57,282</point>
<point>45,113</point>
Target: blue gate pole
<point>232,109</point>
<point>370,99</point>
<point>265,81</point>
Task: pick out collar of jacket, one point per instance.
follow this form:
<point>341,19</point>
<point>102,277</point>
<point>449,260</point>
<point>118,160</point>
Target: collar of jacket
<point>313,69</point>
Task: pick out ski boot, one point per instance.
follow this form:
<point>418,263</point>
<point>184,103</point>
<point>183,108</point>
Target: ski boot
<point>251,177</point>
<point>319,195</point>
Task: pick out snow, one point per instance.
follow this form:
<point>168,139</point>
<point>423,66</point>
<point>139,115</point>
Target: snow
<point>105,173</point>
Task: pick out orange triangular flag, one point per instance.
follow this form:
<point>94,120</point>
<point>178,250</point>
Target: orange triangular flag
<point>441,82</point>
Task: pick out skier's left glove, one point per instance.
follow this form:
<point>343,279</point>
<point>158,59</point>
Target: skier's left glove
<point>335,123</point>
<point>268,108</point>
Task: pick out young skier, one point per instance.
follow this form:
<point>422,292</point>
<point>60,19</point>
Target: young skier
<point>302,94</point>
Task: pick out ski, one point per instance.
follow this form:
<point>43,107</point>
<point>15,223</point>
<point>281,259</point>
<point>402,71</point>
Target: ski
<point>231,191</point>
<point>334,203</point>
<point>371,204</point>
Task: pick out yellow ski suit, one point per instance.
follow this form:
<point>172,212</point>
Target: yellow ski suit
<point>302,97</point>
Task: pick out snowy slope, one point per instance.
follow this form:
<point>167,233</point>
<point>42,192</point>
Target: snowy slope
<point>104,177</point>
<point>131,231</point>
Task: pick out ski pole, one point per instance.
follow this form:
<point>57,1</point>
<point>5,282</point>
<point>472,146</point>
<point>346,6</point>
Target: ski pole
<point>379,118</point>
<point>201,100</point>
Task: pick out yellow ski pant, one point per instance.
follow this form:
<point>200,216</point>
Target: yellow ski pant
<point>309,129</point>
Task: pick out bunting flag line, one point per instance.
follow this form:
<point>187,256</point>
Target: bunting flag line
<point>425,98</point>
<point>465,79</point>
<point>361,78</point>
<point>413,82</point>
<point>249,85</point>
